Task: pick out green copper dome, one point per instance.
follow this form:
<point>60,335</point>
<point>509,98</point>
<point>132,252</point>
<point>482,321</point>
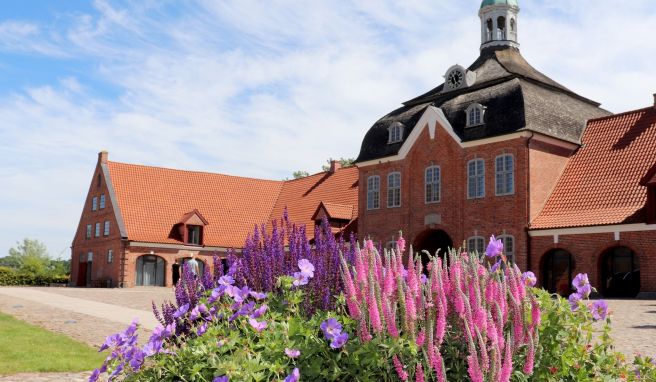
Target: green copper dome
<point>485,3</point>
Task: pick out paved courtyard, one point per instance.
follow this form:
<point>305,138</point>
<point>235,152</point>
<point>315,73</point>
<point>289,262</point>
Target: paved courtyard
<point>89,315</point>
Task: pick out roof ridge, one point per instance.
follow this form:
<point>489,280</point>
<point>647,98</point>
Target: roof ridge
<point>621,114</point>
<point>194,171</point>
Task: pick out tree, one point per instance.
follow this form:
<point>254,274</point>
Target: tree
<point>300,174</point>
<point>344,162</point>
<point>30,256</point>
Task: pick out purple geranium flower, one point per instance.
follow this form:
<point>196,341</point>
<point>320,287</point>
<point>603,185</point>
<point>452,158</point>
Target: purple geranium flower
<point>294,376</point>
<point>201,329</point>
<point>94,376</point>
<point>330,328</point>
<point>529,278</point>
<point>257,313</point>
<point>257,325</point>
<point>226,281</point>
<point>599,310</point>
<point>299,279</point>
<point>292,353</point>
<point>306,267</point>
<point>339,340</point>
<point>181,311</point>
<point>580,281</point>
<point>494,248</point>
<point>258,295</point>
<point>574,299</point>
<point>223,378</point>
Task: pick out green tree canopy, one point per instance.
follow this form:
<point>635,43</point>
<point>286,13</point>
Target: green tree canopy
<point>31,256</point>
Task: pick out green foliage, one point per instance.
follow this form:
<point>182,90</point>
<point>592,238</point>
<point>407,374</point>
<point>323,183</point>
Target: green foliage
<point>300,174</point>
<point>9,276</point>
<point>344,162</point>
<point>27,348</point>
<point>31,257</point>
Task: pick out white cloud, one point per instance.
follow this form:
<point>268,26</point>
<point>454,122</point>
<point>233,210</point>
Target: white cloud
<point>256,89</point>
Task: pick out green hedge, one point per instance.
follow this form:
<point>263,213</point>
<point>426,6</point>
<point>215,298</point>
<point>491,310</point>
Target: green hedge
<point>9,276</point>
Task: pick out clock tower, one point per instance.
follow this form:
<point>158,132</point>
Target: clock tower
<point>499,23</point>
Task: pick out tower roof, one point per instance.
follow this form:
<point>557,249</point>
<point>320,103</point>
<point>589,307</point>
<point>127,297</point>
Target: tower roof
<point>486,3</point>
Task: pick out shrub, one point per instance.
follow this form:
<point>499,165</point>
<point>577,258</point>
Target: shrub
<point>9,276</point>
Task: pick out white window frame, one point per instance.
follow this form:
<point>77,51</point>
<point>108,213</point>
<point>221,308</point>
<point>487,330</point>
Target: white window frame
<point>478,112</point>
<point>393,190</point>
<point>89,231</point>
<point>395,133</point>
<point>97,233</point>
<point>510,254</point>
<point>471,242</point>
<point>94,203</point>
<point>106,228</point>
<point>89,256</point>
<point>478,178</point>
<point>503,175</point>
<point>110,256</point>
<point>373,192</point>
<point>103,201</point>
<point>435,184</point>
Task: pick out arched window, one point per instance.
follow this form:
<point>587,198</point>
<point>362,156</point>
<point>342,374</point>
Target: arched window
<point>432,184</point>
<point>505,174</point>
<point>476,244</point>
<point>475,113</point>
<point>557,266</point>
<point>513,30</point>
<point>620,273</point>
<point>488,32</point>
<point>394,189</point>
<point>475,179</point>
<point>508,247</point>
<point>395,133</point>
<point>373,192</point>
<point>501,28</point>
<point>150,271</point>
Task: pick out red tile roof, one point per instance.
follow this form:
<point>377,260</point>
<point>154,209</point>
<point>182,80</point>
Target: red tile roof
<point>152,200</point>
<point>601,182</point>
<point>336,211</point>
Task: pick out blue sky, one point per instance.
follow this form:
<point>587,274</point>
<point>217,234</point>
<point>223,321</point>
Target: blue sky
<point>255,88</point>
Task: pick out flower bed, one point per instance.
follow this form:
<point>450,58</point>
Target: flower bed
<point>458,318</point>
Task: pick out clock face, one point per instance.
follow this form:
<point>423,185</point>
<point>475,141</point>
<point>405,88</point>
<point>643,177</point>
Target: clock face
<point>454,79</point>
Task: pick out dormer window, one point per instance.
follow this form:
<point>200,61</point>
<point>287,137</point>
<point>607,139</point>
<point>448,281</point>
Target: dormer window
<point>395,133</point>
<point>475,113</point>
<point>190,228</point>
<point>193,234</point>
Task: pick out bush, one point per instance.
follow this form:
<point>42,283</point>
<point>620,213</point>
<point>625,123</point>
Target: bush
<point>9,276</point>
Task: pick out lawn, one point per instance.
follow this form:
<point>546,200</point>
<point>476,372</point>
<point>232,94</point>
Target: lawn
<point>28,348</point>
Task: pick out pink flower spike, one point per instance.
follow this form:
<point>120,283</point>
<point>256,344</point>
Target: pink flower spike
<point>403,375</point>
<point>419,373</point>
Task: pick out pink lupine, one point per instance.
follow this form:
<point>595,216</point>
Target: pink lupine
<point>410,309</point>
<point>390,320</point>
<point>437,363</point>
<point>400,243</point>
<point>351,294</point>
<point>473,369</point>
<point>535,313</point>
<point>480,319</point>
<point>369,245</point>
<point>403,375</point>
<point>530,357</point>
<point>374,314</point>
<point>419,373</point>
<point>440,325</point>
<point>506,369</point>
<point>421,337</point>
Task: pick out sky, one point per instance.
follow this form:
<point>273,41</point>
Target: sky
<point>252,88</point>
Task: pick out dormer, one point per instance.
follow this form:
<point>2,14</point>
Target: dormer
<point>475,115</point>
<point>649,181</point>
<point>338,215</point>
<point>190,228</point>
<point>395,132</point>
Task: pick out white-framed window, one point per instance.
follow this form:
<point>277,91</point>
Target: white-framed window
<point>504,169</point>
<point>373,192</point>
<point>94,203</point>
<point>97,230</point>
<point>102,201</point>
<point>110,256</point>
<point>508,247</point>
<point>394,189</point>
<point>476,178</point>
<point>395,133</point>
<point>89,256</point>
<point>476,244</point>
<point>89,229</point>
<point>106,228</point>
<point>475,114</point>
<point>432,184</point>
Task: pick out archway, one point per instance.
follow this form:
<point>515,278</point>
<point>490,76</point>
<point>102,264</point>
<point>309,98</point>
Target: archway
<point>150,271</point>
<point>201,265</point>
<point>620,273</point>
<point>557,266</point>
<point>432,240</point>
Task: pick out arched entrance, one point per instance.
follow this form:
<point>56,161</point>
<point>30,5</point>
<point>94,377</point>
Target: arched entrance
<point>201,265</point>
<point>557,266</point>
<point>150,271</point>
<point>620,273</point>
<point>432,240</point>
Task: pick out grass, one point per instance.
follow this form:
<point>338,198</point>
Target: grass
<point>27,348</point>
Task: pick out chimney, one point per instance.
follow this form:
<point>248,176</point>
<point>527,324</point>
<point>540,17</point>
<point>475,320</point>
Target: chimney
<point>102,157</point>
<point>334,165</point>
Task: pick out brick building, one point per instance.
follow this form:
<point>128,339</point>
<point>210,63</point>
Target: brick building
<point>499,148</point>
<point>140,223</point>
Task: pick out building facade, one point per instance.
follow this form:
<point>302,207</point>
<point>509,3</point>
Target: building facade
<point>498,149</point>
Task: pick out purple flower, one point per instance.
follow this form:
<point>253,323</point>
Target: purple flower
<point>294,376</point>
<point>198,312</point>
<point>216,294</point>
<point>494,248</point>
<point>306,267</point>
<point>599,310</point>
<point>257,313</point>
<point>339,340</point>
<point>226,281</point>
<point>495,266</point>
<point>136,358</point>
<point>292,353</point>
<point>299,279</point>
<point>94,376</point>
<point>330,328</point>
<point>423,278</point>
<point>201,329</point>
<point>112,341</point>
<point>580,281</point>
<point>223,378</point>
<point>529,278</point>
<point>257,325</point>
<point>574,299</point>
<point>584,290</point>
<point>258,295</point>
<point>181,311</point>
